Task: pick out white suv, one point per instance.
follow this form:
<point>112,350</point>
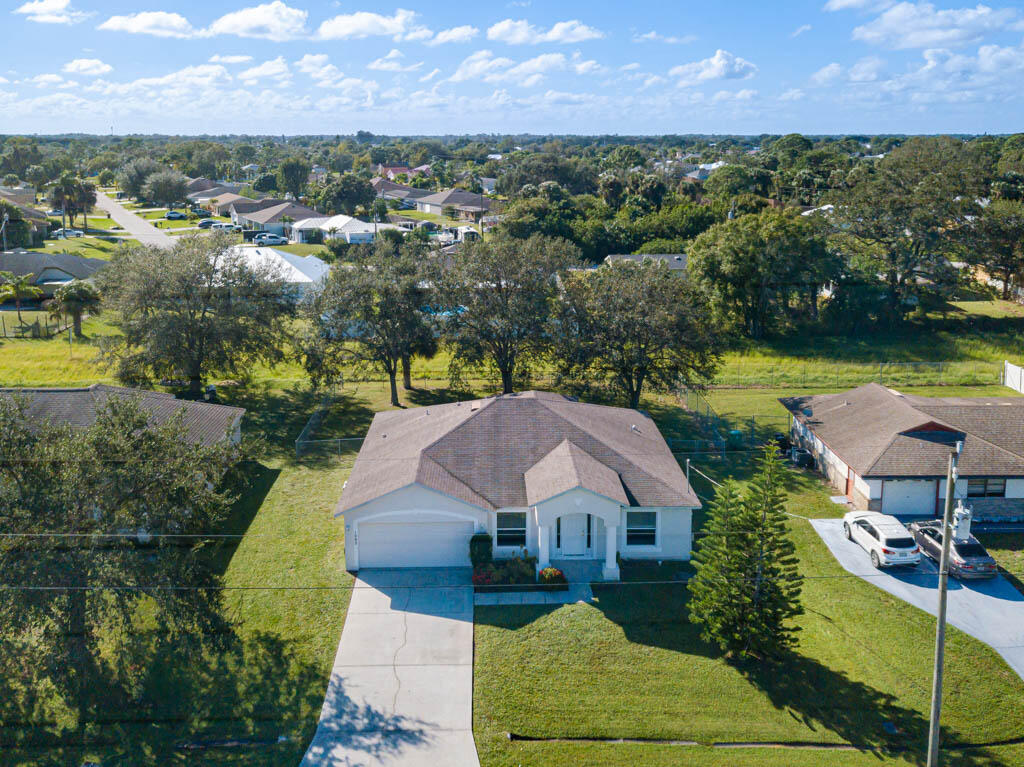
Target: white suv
<point>883,537</point>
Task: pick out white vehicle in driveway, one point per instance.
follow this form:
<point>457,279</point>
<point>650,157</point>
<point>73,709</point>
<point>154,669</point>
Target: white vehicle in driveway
<point>883,537</point>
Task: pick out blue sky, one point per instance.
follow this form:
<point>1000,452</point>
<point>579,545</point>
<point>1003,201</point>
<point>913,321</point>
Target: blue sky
<point>646,66</point>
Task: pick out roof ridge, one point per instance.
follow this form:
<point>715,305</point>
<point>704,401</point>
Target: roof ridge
<point>607,447</point>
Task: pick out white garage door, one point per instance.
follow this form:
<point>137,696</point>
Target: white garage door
<point>906,496</point>
<point>414,544</point>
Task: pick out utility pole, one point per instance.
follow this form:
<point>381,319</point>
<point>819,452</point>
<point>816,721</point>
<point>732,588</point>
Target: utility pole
<point>3,229</point>
<point>940,629</point>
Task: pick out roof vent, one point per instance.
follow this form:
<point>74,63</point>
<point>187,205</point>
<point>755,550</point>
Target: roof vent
<point>474,406</point>
<point>383,436</point>
<point>634,427</point>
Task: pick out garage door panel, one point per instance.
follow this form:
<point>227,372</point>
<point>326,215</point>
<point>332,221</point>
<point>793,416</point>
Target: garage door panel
<point>414,544</point>
<point>909,497</point>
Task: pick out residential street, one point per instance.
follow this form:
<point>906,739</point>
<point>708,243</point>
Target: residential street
<point>992,611</point>
<point>135,226</point>
<point>401,690</point>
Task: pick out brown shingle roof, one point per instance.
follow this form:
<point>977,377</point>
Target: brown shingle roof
<point>205,423</point>
<point>509,451</point>
<point>277,212</point>
<point>882,433</point>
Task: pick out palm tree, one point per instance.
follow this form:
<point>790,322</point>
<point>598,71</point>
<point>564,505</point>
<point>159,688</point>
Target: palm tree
<point>76,298</point>
<point>85,200</point>
<point>17,289</point>
<point>63,191</point>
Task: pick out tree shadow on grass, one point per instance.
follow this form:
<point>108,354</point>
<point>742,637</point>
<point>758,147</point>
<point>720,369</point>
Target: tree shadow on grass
<point>427,397</point>
<point>822,698</point>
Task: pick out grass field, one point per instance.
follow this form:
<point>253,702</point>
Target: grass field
<point>631,666</point>
<point>303,249</point>
<point>89,247</point>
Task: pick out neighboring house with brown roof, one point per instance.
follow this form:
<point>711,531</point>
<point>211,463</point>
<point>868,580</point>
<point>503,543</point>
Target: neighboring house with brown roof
<point>467,204</point>
<point>275,218</point>
<point>537,471</point>
<point>406,195</point>
<point>220,205</point>
<point>205,423</point>
<point>889,451</point>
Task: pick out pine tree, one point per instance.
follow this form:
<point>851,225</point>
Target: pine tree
<point>747,586</point>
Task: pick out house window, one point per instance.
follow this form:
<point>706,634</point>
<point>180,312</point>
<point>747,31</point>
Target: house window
<point>641,528</point>
<point>986,488</point>
<point>511,528</point>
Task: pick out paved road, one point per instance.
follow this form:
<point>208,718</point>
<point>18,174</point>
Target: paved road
<point>401,690</point>
<point>134,225</point>
<point>992,610</point>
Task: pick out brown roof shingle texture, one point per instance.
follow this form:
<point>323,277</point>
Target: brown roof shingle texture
<point>205,423</point>
<point>507,451</point>
<point>881,433</point>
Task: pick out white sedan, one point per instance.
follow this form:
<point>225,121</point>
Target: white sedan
<point>883,537</point>
<point>63,234</point>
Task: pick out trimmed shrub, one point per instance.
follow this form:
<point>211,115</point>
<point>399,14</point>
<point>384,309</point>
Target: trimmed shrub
<point>552,575</point>
<point>481,550</point>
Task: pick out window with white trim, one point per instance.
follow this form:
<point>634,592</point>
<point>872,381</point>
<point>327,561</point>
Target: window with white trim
<point>511,528</point>
<point>641,528</point>
<point>986,487</point>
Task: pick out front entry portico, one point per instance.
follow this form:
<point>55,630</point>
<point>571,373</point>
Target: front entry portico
<point>579,525</point>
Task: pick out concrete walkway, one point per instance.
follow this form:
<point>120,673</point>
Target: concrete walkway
<point>989,610</point>
<point>136,226</point>
<point>401,690</point>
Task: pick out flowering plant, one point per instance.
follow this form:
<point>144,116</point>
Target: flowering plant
<point>552,575</point>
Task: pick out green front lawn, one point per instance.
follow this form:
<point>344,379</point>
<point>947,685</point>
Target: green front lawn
<point>631,666</point>
<point>304,249</point>
<point>1008,551</point>
<point>89,247</point>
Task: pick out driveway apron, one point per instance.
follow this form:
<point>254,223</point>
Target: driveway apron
<point>401,690</point>
<point>989,610</point>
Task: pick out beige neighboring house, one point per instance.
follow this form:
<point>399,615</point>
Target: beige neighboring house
<point>537,471</point>
<point>205,423</point>
<point>468,205</point>
<point>276,219</point>
<point>888,452</point>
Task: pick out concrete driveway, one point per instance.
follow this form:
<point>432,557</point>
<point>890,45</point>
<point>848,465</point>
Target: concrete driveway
<point>989,610</point>
<point>401,690</point>
<point>136,226</point>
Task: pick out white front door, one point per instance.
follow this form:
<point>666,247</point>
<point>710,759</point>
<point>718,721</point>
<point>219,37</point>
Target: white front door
<point>574,535</point>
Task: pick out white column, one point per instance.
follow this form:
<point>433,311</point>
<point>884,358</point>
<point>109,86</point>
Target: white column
<point>544,555</point>
<point>611,548</point>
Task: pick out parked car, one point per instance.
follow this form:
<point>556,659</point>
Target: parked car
<point>223,226</point>
<point>175,215</point>
<point>206,223</point>
<point>63,234</point>
<point>883,537</point>
<point>967,559</point>
<point>269,238</point>
<point>55,212</point>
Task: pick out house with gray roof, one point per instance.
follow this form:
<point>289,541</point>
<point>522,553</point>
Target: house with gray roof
<point>205,423</point>
<point>49,271</point>
<point>889,452</point>
<point>537,471</point>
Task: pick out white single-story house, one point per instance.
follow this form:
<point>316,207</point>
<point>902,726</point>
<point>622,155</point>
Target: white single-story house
<point>348,228</point>
<point>304,273</point>
<point>274,219</point>
<point>541,473</point>
<point>889,452</point>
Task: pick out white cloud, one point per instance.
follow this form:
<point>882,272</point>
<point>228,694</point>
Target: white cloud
<point>478,65</point>
<point>867,69</point>
<point>400,26</point>
<point>722,66</point>
<point>656,37</point>
<point>272,69</point>
<point>318,67</point>
<point>156,23</point>
<point>462,34</point>
<point>393,63</point>
<point>743,95</point>
<point>801,29</point>
<point>46,81</point>
<point>630,67</point>
<point>530,72</point>
<point>269,21</point>
<point>523,32</point>
<point>3,80</point>
<point>827,74</point>
<point>87,67</point>
<point>793,94</point>
<point>585,67</point>
<point>51,12</point>
<point>430,75</point>
<point>920,25</point>
<point>229,59</point>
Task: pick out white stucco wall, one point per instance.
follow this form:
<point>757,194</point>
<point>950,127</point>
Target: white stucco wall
<point>425,504</point>
<point>674,537</point>
<point>602,510</point>
<point>1014,488</point>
